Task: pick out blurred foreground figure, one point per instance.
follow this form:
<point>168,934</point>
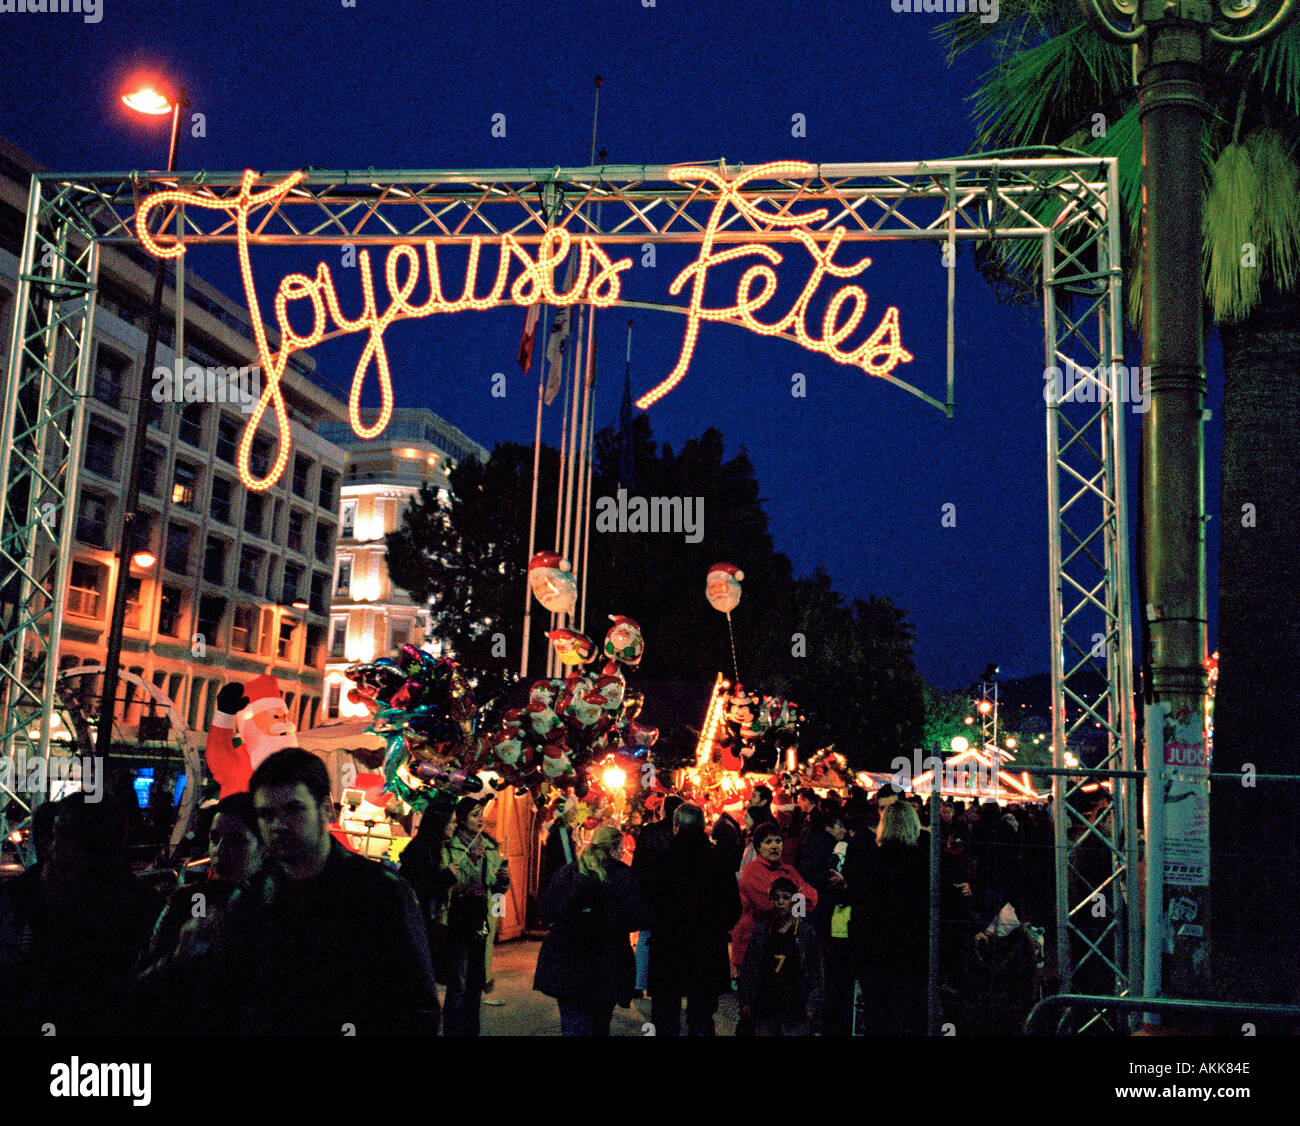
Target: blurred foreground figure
<point>176,990</point>
<point>83,929</point>
<point>290,945</point>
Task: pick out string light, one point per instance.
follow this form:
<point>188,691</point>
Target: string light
<point>597,284</point>
<point>712,721</point>
<point>536,283</point>
<point>878,355</point>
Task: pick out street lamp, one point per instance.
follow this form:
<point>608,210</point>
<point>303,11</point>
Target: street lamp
<point>154,100</point>
<point>144,559</point>
<point>1171,46</point>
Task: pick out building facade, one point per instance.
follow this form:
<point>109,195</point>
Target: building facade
<point>370,617</point>
<point>226,584</point>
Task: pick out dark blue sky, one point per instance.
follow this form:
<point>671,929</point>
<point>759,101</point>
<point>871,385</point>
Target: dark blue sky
<point>857,472</point>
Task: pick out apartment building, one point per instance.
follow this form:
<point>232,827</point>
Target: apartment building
<point>226,583</point>
<point>370,617</point>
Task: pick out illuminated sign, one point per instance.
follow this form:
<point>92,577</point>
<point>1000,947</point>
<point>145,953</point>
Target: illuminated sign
<point>597,284</point>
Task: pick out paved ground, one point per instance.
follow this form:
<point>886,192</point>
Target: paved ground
<point>526,1013</point>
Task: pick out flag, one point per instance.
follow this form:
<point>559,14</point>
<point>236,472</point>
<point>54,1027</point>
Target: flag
<point>560,334</point>
<point>529,337</point>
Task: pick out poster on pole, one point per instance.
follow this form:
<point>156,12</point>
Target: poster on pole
<point>1187,802</point>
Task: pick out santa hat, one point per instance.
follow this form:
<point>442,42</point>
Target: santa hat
<point>549,559</point>
<point>263,694</point>
<point>729,569</point>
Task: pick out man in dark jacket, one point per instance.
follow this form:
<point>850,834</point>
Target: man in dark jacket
<point>651,847</point>
<point>560,847</point>
<point>300,932</point>
<point>694,903</point>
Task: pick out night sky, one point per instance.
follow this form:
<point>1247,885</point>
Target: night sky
<point>856,473</point>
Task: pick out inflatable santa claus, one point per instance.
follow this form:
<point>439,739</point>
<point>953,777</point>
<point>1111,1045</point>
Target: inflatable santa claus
<point>257,713</point>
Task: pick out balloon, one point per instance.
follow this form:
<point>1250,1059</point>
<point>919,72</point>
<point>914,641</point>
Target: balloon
<point>556,762</point>
<point>623,641</point>
<point>582,711</point>
<point>639,735</point>
<point>722,587</point>
<point>632,701</point>
<point>508,746</point>
<point>551,580</point>
<point>470,785</point>
<point>546,692</point>
<point>545,725</point>
<point>573,648</point>
<point>609,690</point>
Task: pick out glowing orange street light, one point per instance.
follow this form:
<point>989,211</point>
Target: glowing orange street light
<point>144,559</point>
<point>146,98</point>
<point>984,707</point>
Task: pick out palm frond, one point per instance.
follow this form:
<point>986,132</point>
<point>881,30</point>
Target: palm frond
<point>1231,237</point>
<point>1276,66</point>
<point>1277,205</point>
<point>1010,107</point>
<point>1019,22</point>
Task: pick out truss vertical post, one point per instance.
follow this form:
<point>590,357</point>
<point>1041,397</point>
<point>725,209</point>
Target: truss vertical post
<point>40,453</point>
<point>1098,929</point>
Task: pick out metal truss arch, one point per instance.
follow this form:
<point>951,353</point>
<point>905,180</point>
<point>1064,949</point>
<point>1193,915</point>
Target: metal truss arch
<point>1066,205</point>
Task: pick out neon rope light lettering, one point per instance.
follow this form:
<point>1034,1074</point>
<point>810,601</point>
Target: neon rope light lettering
<point>597,284</point>
<point>878,355</point>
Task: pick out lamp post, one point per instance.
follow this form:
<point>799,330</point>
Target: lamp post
<point>148,100</point>
<point>1169,40</point>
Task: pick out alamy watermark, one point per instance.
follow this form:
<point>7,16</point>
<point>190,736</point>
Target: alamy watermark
<point>91,11</point>
<point>967,775</point>
<point>987,9</point>
<point>678,515</point>
<point>1078,385</point>
<point>24,773</point>
<point>190,383</point>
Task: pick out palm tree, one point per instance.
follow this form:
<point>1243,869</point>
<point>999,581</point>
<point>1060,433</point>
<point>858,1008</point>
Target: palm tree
<point>1056,82</point>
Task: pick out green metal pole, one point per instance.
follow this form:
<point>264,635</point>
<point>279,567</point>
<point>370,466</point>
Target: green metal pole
<point>1172,110</point>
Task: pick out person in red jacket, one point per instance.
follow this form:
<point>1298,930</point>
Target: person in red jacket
<point>755,886</point>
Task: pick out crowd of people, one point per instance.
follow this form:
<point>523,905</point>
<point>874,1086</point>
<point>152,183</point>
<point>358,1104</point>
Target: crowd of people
<point>817,917</point>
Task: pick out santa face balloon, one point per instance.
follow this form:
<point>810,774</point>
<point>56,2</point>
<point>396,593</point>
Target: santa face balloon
<point>546,692</point>
<point>551,579</point>
<point>722,587</point>
<point>572,647</point>
<point>623,641</point>
<point>583,709</point>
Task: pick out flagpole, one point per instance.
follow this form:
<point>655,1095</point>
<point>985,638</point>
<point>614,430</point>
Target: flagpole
<point>589,442</point>
<point>575,455</point>
<point>532,515</point>
<point>583,502</point>
<point>582,515</point>
<point>565,457</point>
<point>575,446</point>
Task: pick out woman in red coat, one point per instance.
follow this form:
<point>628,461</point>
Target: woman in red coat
<point>755,881</point>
